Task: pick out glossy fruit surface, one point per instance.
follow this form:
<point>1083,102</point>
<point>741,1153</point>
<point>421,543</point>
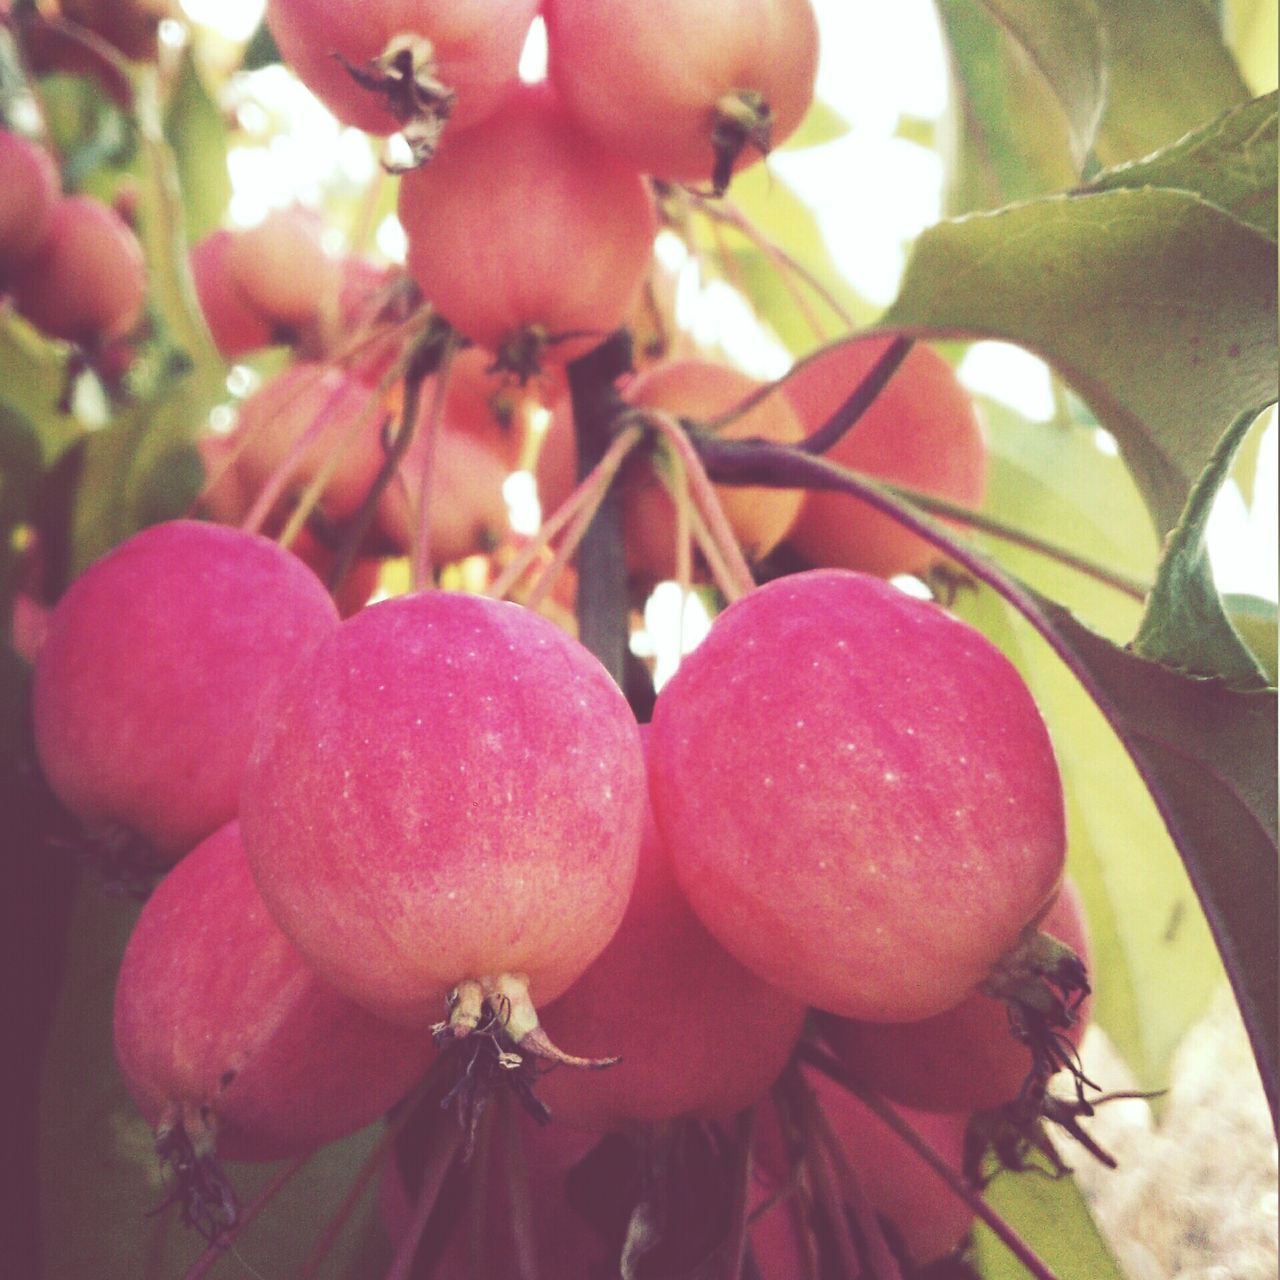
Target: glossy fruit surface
<point>29,189</point>
<point>216,1013</point>
<point>476,48</point>
<point>965,1058</point>
<point>88,279</point>
<point>448,788</point>
<point>921,432</point>
<point>859,795</point>
<point>697,1033</point>
<point>147,687</point>
<point>645,77</point>
<point>523,222</point>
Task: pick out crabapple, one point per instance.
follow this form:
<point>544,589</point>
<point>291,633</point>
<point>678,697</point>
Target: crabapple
<point>88,278</point>
<point>447,792</point>
<point>965,1058</point>
<point>148,683</point>
<point>220,1026</point>
<point>281,269</point>
<point>235,324</point>
<point>422,62</point>
<point>29,190</point>
<point>859,795</point>
<point>697,389</point>
<point>697,1033</point>
<point>922,432</point>
<point>687,90</point>
<point>526,233</point>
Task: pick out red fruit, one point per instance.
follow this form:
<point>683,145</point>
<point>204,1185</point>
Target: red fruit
<point>147,686</point>
<point>29,189</point>
<point>523,224</point>
<point>448,788</point>
<point>964,1059</point>
<point>235,324</point>
<point>221,1028</point>
<point>926,1215</point>
<point>337,416</point>
<point>281,269</point>
<point>468,511</point>
<point>467,48</point>
<point>858,793</point>
<point>130,25</point>
<point>921,432</point>
<point>88,279</point>
<point>697,1033</point>
<point>652,79</point>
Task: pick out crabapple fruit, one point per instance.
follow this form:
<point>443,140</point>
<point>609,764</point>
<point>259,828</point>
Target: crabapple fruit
<point>859,795</point>
<point>234,323</point>
<point>687,90</point>
<point>221,1027</point>
<point>88,278</point>
<point>447,790</point>
<point>697,1033</point>
<point>965,1058</point>
<point>523,231</point>
<point>922,432</point>
<point>281,269</point>
<point>29,190</point>
<point>147,686</point>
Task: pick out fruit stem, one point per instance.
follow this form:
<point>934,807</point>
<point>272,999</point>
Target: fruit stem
<point>508,998</point>
<point>420,549</point>
<point>738,580</point>
<point>742,118</point>
<point>958,1183</point>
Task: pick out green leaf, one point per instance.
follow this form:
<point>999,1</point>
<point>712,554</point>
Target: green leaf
<point>195,131</point>
<point>1185,625</point>
<point>1159,309</point>
<point>1063,40</point>
<point>1155,966</point>
<point>1010,139</point>
<point>1254,620</point>
<point>1051,1216</point>
<point>33,373</point>
<point>1251,35</point>
<point>821,123</point>
<point>1168,71</point>
<point>1229,162</point>
<point>1051,480</point>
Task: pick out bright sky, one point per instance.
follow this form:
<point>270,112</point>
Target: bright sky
<point>890,65</point>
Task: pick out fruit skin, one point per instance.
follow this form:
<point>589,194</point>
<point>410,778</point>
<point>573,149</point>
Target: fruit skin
<point>236,325</point>
<point>921,432</point>
<point>525,222</point>
<point>477,46</point>
<point>965,1058</point>
<point>281,269</point>
<point>644,76</point>
<point>148,682</point>
<point>88,279</point>
<point>210,986</point>
<point>859,795</point>
<point>29,189</point>
<point>130,25</point>
<point>697,1033</point>
<point>448,787</point>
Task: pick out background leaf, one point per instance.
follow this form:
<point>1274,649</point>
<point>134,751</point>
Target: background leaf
<point>195,130</point>
<point>1159,309</point>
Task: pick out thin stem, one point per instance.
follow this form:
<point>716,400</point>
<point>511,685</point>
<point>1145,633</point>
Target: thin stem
<point>780,466</point>
<point>958,1183</point>
<point>214,1254</point>
<point>736,1245</point>
<point>705,501</point>
<point>442,1144</point>
<point>725,211</point>
<point>420,548</point>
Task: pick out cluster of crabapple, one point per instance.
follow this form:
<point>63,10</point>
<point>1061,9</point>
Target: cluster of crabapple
<point>70,263</point>
<point>426,839</point>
